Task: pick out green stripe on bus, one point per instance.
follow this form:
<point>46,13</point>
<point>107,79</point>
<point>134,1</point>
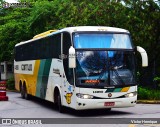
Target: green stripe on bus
<point>117,90</point>
<point>45,77</point>
<point>109,90</point>
<point>113,90</point>
<point>39,78</point>
<point>42,79</point>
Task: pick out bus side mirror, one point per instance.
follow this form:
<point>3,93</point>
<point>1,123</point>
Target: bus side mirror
<point>143,55</point>
<point>72,57</point>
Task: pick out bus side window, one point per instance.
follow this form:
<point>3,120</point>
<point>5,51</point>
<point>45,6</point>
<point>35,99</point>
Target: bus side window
<point>66,46</point>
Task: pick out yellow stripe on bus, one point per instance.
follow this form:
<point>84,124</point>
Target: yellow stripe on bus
<point>35,76</point>
<point>125,89</point>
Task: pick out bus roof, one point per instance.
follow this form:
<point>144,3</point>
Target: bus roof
<point>94,28</point>
<point>75,29</point>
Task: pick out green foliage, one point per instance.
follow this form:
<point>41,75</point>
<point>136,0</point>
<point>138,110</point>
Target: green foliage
<point>148,94</point>
<point>13,27</point>
<point>43,17</point>
<point>11,84</point>
<point>157,79</point>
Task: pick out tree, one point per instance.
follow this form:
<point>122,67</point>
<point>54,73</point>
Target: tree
<point>12,30</point>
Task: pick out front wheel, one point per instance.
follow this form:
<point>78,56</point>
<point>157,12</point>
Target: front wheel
<point>60,107</point>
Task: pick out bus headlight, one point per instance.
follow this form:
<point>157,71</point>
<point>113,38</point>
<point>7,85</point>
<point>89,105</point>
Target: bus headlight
<point>84,96</point>
<point>131,94</point>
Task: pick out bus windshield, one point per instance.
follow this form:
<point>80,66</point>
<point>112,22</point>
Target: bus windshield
<point>105,68</point>
<point>102,40</point>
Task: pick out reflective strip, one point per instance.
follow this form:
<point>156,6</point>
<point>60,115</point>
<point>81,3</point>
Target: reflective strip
<point>117,90</point>
<point>125,89</point>
<point>2,85</point>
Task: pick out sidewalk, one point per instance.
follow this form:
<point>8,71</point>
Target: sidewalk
<point>148,101</point>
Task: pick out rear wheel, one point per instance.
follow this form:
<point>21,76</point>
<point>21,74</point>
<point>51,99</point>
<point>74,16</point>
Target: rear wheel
<point>22,91</point>
<point>26,95</point>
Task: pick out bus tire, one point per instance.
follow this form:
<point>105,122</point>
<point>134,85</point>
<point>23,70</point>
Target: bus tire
<point>26,95</point>
<point>22,91</point>
<point>59,104</point>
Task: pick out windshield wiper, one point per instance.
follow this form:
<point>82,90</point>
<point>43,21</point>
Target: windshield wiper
<point>116,72</point>
<point>104,70</point>
<point>116,67</point>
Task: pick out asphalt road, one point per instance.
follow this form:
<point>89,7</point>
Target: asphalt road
<point>17,107</point>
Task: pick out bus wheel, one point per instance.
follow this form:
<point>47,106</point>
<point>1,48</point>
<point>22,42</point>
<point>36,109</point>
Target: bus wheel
<point>59,103</point>
<point>26,95</point>
<point>22,92</point>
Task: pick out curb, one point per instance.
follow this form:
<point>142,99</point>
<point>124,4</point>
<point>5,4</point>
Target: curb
<point>12,91</point>
<point>148,101</point>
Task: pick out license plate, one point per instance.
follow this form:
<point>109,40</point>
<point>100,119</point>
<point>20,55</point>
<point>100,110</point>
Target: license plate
<point>109,103</point>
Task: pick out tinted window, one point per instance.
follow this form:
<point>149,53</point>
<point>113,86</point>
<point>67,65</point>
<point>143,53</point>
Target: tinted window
<point>49,47</point>
<point>102,40</point>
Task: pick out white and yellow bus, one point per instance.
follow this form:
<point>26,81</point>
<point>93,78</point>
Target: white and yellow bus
<point>85,67</point>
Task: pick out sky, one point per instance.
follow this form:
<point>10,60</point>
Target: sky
<point>11,1</point>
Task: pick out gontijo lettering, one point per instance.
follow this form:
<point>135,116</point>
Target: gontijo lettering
<point>26,67</point>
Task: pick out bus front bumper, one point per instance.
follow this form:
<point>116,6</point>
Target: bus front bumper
<point>83,104</point>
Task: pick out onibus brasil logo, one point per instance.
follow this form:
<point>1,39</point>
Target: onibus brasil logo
<point>15,5</point>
